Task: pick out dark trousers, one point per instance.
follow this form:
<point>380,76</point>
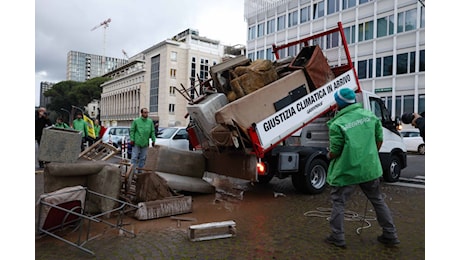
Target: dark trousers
<point>340,195</point>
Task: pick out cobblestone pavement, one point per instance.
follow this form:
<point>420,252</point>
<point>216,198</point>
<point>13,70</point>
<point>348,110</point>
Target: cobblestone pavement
<point>287,226</point>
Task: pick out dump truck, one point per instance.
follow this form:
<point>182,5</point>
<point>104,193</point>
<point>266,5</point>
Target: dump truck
<point>255,120</point>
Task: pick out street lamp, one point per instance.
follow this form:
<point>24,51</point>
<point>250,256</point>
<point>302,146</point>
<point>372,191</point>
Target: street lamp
<point>68,112</point>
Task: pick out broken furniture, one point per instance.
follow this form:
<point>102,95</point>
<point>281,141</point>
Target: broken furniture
<point>183,170</point>
<point>101,177</point>
<point>169,206</point>
<point>212,230</point>
<point>99,151</point>
<point>67,207</point>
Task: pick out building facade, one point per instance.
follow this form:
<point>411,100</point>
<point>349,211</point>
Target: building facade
<point>386,39</point>
<point>83,66</point>
<point>153,77</point>
<point>45,86</point>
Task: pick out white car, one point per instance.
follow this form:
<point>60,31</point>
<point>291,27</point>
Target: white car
<point>413,140</point>
<point>176,137</point>
<point>114,135</point>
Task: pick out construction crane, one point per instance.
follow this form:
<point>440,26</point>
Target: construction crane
<point>125,54</point>
<point>105,24</point>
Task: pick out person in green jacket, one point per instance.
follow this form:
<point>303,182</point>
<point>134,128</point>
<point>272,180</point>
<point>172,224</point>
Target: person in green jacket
<point>80,125</point>
<point>355,137</point>
<point>61,124</point>
<point>142,129</point>
<point>97,129</point>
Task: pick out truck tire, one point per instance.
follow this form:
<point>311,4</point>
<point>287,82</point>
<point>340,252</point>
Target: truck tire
<point>313,178</point>
<point>393,170</point>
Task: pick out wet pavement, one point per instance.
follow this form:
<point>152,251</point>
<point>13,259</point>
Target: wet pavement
<point>272,221</point>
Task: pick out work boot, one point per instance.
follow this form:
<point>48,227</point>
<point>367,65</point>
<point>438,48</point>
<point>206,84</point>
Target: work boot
<point>336,242</point>
<point>388,241</point>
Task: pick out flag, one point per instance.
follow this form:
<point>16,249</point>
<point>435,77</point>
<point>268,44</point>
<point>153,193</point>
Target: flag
<point>90,124</point>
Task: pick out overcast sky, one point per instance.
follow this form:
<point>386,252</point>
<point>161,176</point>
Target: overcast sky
<point>65,25</point>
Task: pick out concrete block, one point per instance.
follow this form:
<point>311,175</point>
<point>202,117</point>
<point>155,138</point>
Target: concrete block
<point>59,145</point>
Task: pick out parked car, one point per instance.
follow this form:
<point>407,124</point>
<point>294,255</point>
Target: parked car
<point>176,137</point>
<point>114,135</point>
<point>413,140</point>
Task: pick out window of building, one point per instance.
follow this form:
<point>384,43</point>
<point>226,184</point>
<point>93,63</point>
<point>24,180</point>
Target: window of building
<point>173,56</point>
<point>382,27</point>
<point>412,62</point>
<point>398,107</point>
<point>154,83</point>
<point>252,33</point>
<point>261,54</point>
<point>293,18</point>
<point>282,53</point>
<point>271,26</point>
<point>408,104</point>
<point>350,34</point>
<point>281,22</point>
<point>193,68</point>
<point>332,6</point>
<point>422,17</point>
<point>318,41</point>
<point>305,14</point>
<point>421,103</point>
<point>292,52</point>
<point>364,1</point>
<point>401,63</point>
<point>369,69</point>
<point>260,29</point>
<point>378,67</point>
<point>172,91</point>
<point>366,31</point>
<point>422,61</point>
<point>318,10</point>
<point>362,69</point>
<point>332,40</point>
<point>251,56</point>
<point>171,108</point>
<point>388,66</point>
<point>204,69</point>
<point>407,20</point>
<point>172,73</point>
<point>270,55</point>
<point>348,4</point>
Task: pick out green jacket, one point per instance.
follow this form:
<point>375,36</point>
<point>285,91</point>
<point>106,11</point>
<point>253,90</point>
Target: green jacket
<point>97,130</point>
<point>61,125</point>
<point>80,125</point>
<point>353,134</point>
<point>141,130</point>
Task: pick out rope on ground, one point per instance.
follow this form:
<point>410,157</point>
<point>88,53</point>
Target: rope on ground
<point>348,216</point>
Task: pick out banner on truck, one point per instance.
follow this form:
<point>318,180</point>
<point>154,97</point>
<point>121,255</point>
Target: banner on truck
<point>276,127</point>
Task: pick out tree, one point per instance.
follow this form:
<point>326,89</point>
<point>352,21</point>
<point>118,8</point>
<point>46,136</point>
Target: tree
<point>66,94</point>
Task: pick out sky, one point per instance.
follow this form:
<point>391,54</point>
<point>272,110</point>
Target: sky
<point>62,26</point>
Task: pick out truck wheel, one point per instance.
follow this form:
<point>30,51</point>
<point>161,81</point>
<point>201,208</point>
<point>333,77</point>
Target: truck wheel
<point>393,170</point>
<point>313,178</point>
